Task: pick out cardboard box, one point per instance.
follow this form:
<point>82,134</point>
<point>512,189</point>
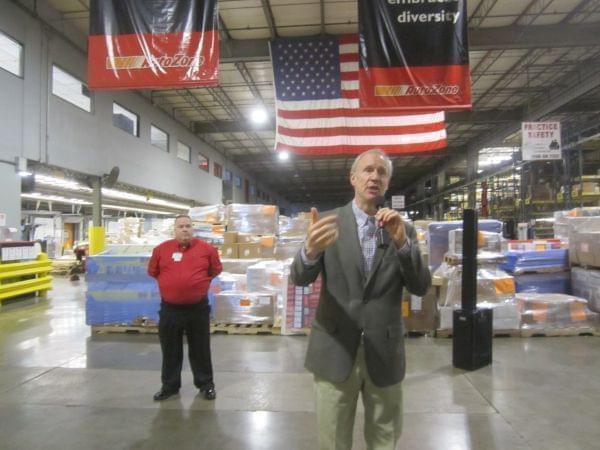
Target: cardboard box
<point>249,251</point>
<point>230,237</point>
<point>247,238</point>
<point>267,244</point>
<point>421,312</point>
<point>229,251</point>
<point>245,308</point>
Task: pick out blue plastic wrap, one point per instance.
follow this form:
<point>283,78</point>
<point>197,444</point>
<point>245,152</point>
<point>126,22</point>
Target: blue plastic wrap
<point>536,261</point>
<point>438,237</point>
<point>119,290</point>
<point>544,283</point>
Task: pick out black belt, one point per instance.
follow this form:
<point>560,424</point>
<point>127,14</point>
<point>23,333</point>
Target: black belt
<point>194,304</point>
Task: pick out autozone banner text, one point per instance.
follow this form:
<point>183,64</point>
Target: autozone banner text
<point>138,44</point>
<point>414,54</point>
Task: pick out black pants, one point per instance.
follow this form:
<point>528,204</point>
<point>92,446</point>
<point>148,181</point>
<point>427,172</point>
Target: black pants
<point>195,321</point>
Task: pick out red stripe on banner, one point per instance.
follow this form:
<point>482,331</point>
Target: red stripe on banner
<point>423,88</point>
<point>357,149</point>
<point>330,113</point>
<point>153,61</point>
<point>348,57</point>
<point>349,76</point>
<point>348,39</point>
<point>361,131</point>
<point>350,94</point>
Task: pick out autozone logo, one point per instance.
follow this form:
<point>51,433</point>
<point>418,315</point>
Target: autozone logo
<point>407,90</point>
<point>144,62</point>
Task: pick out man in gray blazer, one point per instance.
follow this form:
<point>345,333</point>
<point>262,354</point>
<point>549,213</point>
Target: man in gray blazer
<point>356,343</point>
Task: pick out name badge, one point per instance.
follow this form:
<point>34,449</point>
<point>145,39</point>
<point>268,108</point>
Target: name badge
<point>177,256</point>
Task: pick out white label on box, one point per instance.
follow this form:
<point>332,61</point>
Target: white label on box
<point>264,300</point>
<point>416,303</point>
<point>585,247</point>
<point>398,202</point>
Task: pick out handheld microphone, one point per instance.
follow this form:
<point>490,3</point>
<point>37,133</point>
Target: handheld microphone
<point>380,203</point>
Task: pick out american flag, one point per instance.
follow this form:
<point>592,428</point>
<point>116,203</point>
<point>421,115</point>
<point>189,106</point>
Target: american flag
<point>318,110</point>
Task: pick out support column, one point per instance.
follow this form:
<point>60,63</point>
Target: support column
<point>472,165</point>
<point>10,200</point>
<point>97,235</point>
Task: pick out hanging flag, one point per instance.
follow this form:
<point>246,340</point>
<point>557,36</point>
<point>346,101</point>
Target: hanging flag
<point>138,44</point>
<point>414,54</point>
<point>318,112</point>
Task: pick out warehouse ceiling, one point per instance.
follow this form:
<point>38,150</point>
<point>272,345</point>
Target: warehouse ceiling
<point>529,60</point>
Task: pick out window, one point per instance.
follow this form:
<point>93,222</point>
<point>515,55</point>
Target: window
<point>203,162</point>
<point>70,89</point>
<point>184,152</point>
<point>238,182</point>
<point>227,176</point>
<point>252,190</point>
<point>11,55</point>
<point>218,170</point>
<point>159,138</point>
<point>125,120</point>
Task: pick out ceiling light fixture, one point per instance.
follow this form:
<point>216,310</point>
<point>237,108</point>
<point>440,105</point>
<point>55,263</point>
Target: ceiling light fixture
<point>283,156</point>
<point>259,115</point>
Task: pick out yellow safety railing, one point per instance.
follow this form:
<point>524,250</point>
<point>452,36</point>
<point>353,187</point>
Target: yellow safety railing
<point>25,277</point>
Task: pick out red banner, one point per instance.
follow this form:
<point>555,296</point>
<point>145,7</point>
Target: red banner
<point>161,44</point>
<point>414,55</point>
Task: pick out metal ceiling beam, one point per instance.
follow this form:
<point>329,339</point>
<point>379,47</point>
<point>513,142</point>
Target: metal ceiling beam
<point>578,83</point>
<point>480,39</point>
<point>269,17</point>
<point>272,158</point>
<point>475,117</point>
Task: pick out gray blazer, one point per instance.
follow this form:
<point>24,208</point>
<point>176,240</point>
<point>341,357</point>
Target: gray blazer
<point>352,304</point>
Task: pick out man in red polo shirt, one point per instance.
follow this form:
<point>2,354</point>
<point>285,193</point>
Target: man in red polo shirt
<point>184,267</point>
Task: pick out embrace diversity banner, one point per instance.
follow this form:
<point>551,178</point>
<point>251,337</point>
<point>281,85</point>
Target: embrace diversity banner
<point>138,44</point>
<point>318,110</point>
<point>414,54</point>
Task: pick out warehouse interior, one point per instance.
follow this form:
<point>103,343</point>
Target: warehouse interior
<point>74,161</point>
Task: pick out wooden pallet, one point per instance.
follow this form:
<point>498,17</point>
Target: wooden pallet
<point>495,333</point>
<point>216,328</point>
<point>556,332</point>
<point>125,329</point>
<point>243,328</point>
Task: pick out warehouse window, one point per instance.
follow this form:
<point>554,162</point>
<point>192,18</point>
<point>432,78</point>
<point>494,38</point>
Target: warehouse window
<point>159,138</point>
<point>238,182</point>
<point>126,120</point>
<point>227,176</point>
<point>70,89</point>
<point>203,162</point>
<point>184,152</point>
<point>218,170</point>
<point>11,55</point>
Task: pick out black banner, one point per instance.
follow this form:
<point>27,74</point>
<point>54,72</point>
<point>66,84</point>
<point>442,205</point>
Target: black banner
<point>153,44</point>
<point>414,54</point>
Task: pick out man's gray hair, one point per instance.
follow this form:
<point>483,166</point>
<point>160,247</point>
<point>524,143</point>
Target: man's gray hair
<point>179,216</point>
<point>378,152</point>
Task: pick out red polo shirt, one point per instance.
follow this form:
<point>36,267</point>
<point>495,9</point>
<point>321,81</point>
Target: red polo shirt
<point>184,273</point>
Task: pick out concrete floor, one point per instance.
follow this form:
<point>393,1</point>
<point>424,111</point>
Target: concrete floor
<point>61,388</point>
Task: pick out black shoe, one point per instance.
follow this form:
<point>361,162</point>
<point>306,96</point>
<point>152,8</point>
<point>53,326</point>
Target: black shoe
<point>209,393</point>
<point>164,394</point>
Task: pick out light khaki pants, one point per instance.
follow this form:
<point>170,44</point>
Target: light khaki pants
<point>336,408</point>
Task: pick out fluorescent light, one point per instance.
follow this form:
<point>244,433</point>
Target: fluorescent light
<point>283,156</point>
<point>143,210</point>
<point>112,193</point>
<point>24,173</point>
<point>61,183</point>
<point>259,115</point>
<point>55,198</point>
